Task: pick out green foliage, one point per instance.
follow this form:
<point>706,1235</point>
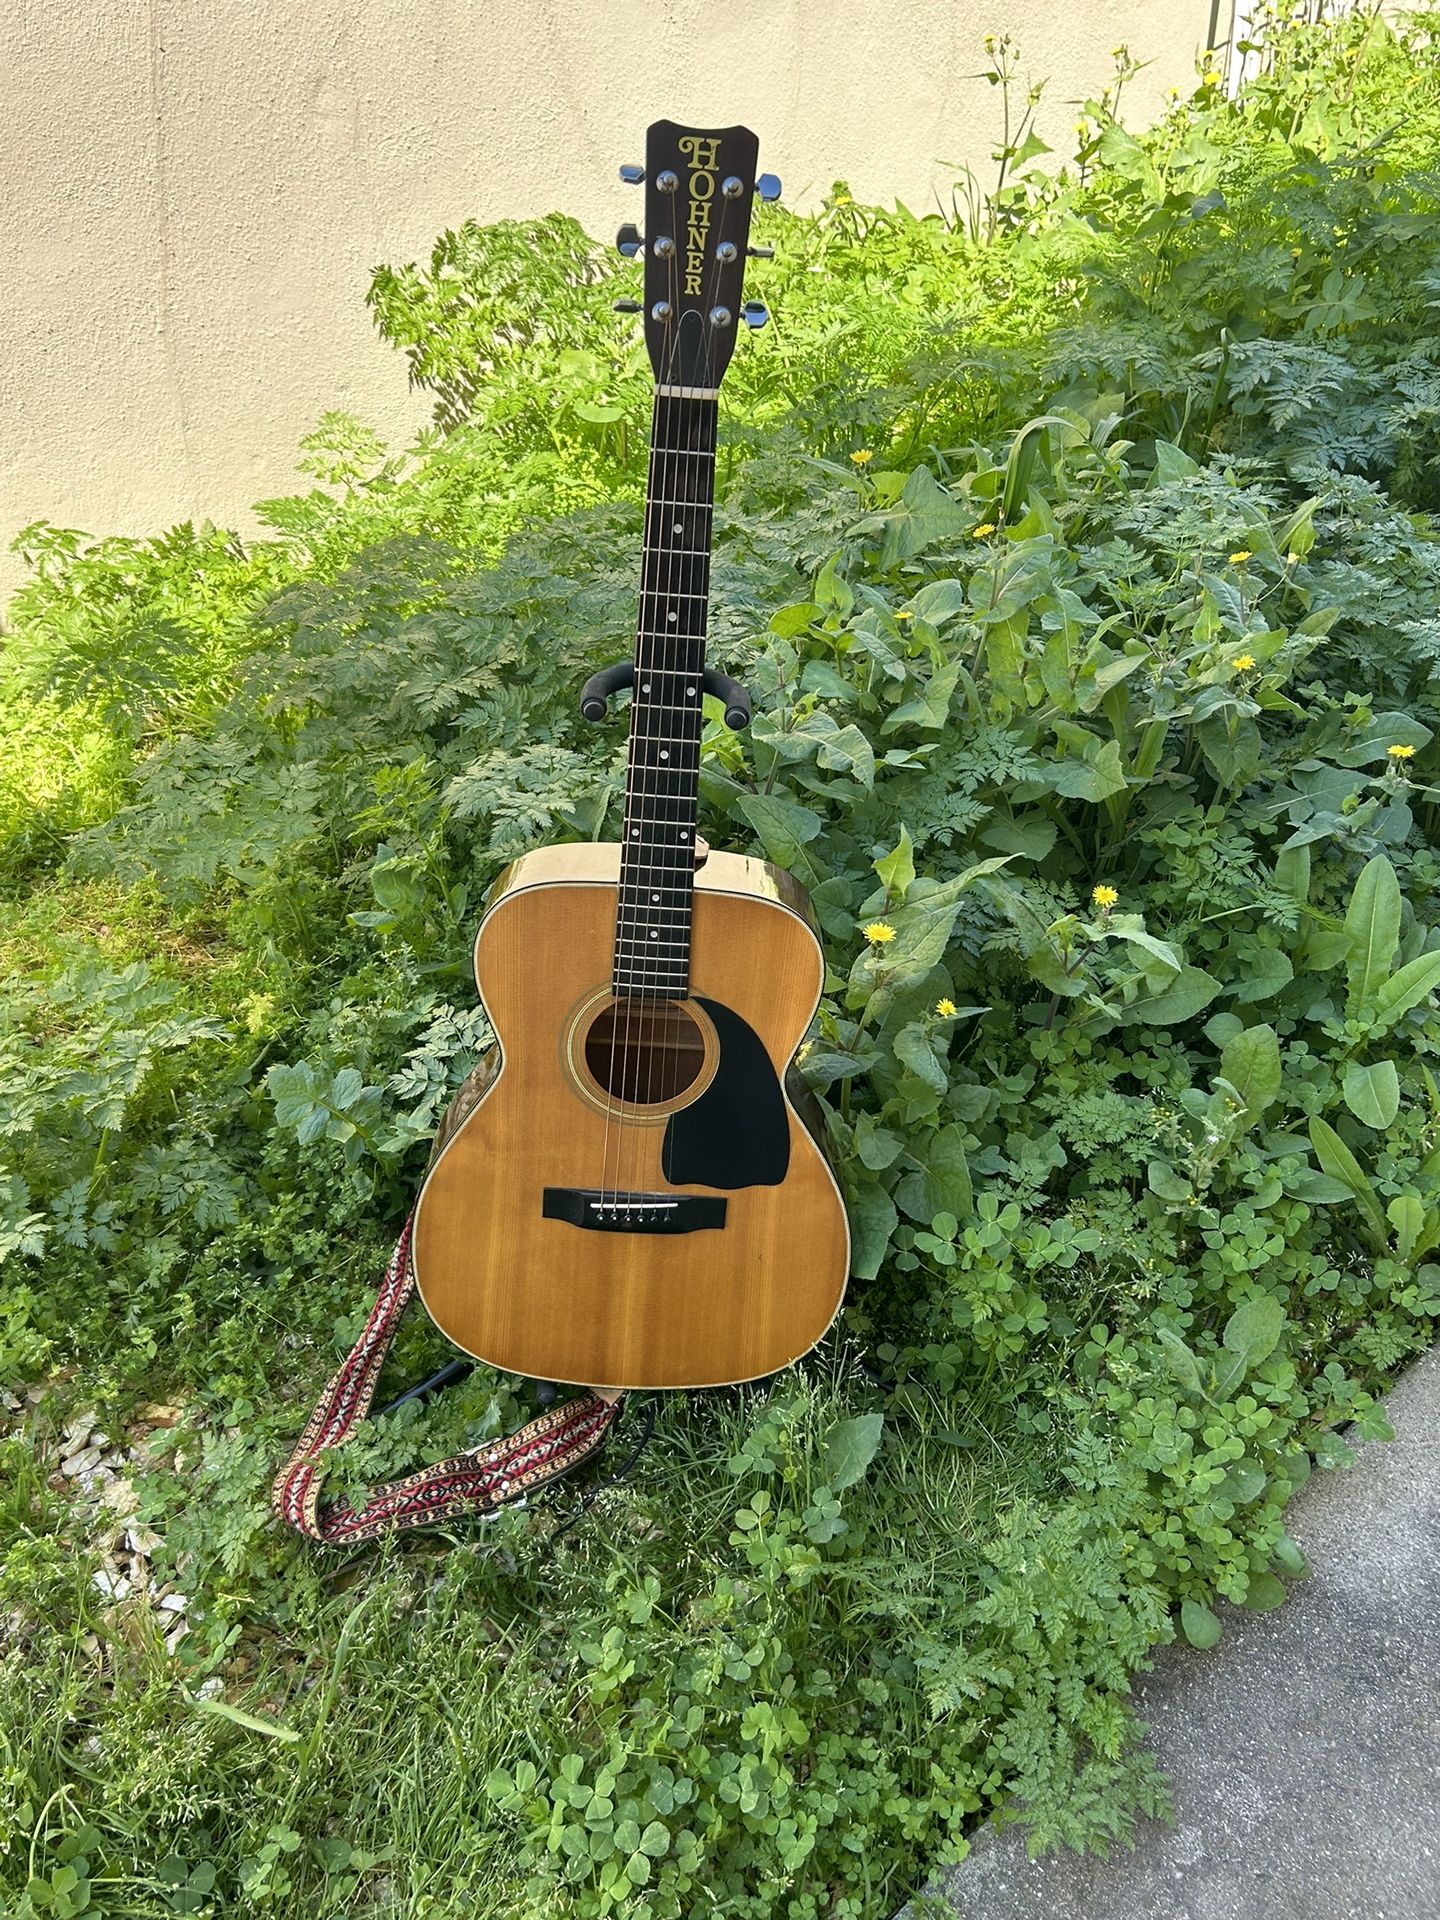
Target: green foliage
<point>1078,550</point>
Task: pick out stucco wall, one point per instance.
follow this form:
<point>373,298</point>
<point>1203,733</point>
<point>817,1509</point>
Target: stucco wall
<point>195,191</point>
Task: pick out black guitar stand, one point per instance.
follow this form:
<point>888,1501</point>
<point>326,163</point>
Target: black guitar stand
<point>596,692</point>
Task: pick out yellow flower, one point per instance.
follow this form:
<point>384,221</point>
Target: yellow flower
<point>1292,559</point>
<point>903,613</point>
<point>1104,898</point>
<point>844,201</point>
<point>1397,752</point>
<point>1294,253</point>
<point>1210,78</point>
<point>946,1009</point>
<point>862,458</point>
<point>1082,127</point>
<point>1240,556</point>
<point>1243,662</point>
<point>985,526</point>
<point>879,933</point>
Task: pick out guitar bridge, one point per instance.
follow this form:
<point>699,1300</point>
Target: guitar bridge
<point>601,1211</point>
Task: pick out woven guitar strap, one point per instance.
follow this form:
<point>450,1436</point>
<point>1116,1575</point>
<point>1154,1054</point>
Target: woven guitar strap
<point>476,1482</point>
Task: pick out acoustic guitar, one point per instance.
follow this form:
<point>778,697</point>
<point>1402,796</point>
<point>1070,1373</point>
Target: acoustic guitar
<point>636,1200</point>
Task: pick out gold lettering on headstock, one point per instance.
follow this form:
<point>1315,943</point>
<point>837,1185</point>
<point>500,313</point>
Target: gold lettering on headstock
<point>703,156</point>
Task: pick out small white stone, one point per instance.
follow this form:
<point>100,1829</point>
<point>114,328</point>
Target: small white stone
<point>79,1463</point>
<point>175,1603</point>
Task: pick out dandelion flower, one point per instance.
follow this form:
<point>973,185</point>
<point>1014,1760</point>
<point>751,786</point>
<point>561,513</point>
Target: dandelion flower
<point>1240,556</point>
<point>1397,752</point>
<point>903,613</point>
<point>861,458</point>
<point>946,1009</point>
<point>1210,77</point>
<point>1243,662</point>
<point>879,933</point>
<point>1104,898</point>
<point>985,526</point>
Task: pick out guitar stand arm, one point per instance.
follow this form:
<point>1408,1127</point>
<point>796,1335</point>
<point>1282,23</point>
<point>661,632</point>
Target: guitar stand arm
<point>596,692</point>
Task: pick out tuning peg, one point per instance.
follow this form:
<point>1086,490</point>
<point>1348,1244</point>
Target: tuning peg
<point>761,253</point>
<point>628,306</point>
<point>628,240</point>
<point>768,186</point>
<point>754,313</point>
<point>632,175</point>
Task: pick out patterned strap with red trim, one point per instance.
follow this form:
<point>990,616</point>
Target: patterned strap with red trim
<point>477,1481</point>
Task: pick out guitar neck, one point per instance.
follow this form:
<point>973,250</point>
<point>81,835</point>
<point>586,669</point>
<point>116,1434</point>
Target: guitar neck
<point>657,866</point>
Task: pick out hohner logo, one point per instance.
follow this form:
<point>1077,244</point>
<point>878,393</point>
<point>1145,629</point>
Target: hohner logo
<point>703,156</point>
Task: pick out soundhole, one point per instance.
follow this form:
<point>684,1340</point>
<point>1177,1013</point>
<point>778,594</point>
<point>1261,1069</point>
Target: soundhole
<point>645,1052</point>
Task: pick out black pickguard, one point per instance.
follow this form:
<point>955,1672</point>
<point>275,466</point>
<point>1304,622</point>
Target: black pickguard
<point>737,1134</point>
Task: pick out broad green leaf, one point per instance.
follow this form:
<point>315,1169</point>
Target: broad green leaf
<point>877,1147</point>
<point>872,1221</point>
<point>783,827</point>
<point>1200,1626</point>
<point>849,1449</point>
<point>922,930</point>
<point>1251,1063</point>
<point>924,514</point>
<point>1192,990</point>
<point>942,1183</point>
<point>1337,1160</point>
<point>1031,835</point>
<point>897,868</point>
<point>1093,780</point>
<point>914,1049</point>
<point>1372,926</point>
<point>1172,463</point>
<point>939,601</point>
<point>1245,1482</point>
<point>1265,1593</point>
<point>1406,1213</point>
<point>1253,1329</point>
<point>930,706</point>
<point>1166,1183</point>
<point>1404,989</point>
<point>1292,872</point>
<point>1372,1093</point>
<point>1267,971</point>
<point>1381,732</point>
<point>1179,1358</point>
<point>1290,1559</point>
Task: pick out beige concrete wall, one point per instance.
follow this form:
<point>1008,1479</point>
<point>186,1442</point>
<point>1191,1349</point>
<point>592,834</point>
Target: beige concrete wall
<point>193,192</point>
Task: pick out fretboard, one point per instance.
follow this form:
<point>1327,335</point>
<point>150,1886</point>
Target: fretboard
<point>657,865</point>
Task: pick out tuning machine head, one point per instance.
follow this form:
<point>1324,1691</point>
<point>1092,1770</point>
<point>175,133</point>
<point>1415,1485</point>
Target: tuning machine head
<point>768,186</point>
<point>628,240</point>
<point>755,314</point>
<point>632,175</point>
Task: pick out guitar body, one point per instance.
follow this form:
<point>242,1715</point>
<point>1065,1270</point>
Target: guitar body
<point>635,1202</point>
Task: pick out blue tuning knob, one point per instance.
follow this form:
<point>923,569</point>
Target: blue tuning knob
<point>768,186</point>
<point>628,240</point>
<point>632,175</point>
<point>754,313</point>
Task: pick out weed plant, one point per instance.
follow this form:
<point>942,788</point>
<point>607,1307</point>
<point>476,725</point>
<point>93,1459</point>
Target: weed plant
<point>1079,549</point>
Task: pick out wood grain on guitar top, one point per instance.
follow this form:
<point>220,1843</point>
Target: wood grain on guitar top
<point>544,1297</point>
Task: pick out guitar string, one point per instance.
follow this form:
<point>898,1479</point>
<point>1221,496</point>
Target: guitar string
<point>676,487</point>
<point>649,712</point>
<point>686,485</point>
<point>619,1091</point>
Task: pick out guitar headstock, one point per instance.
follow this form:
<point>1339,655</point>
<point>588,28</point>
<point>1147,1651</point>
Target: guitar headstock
<point>699,190</point>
